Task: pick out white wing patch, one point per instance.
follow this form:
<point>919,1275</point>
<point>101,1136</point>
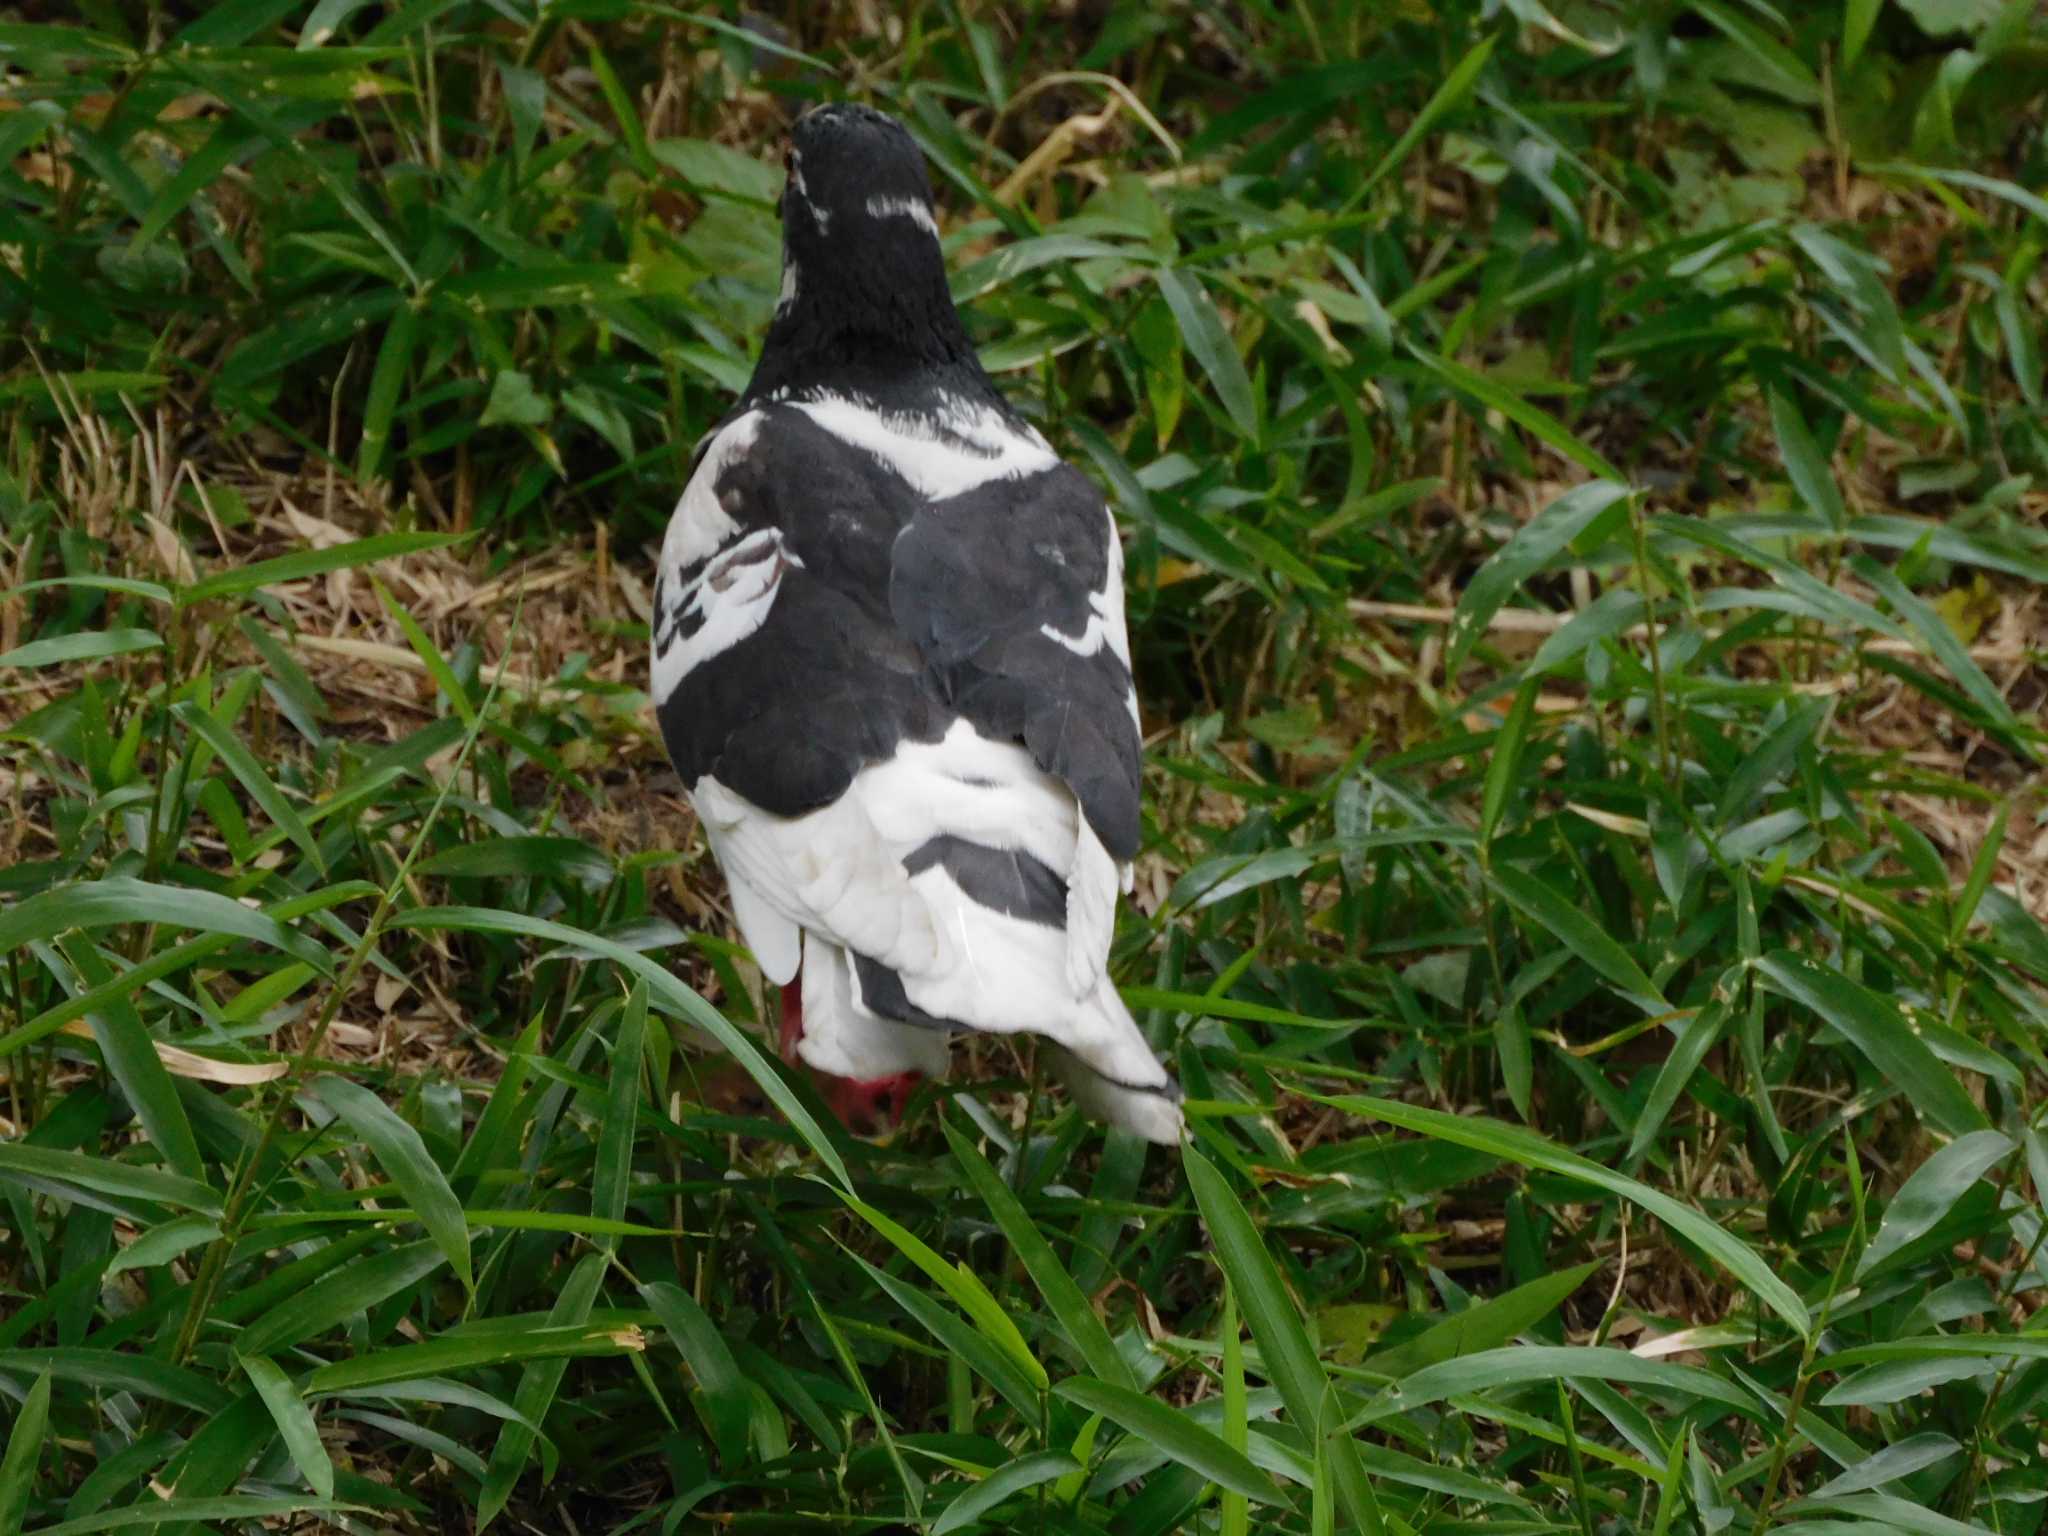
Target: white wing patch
<point>699,525</point>
<point>713,586</point>
<point>729,599</point>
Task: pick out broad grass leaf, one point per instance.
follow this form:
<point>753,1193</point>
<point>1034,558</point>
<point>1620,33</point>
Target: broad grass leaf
<point>1020,257</point>
<point>136,1063</point>
<point>440,1390</point>
<point>109,1371</point>
<point>109,1176</point>
<point>1611,613</point>
<point>406,1162</point>
<point>1931,1192</point>
<point>960,1283</point>
<point>1900,1459</point>
<point>24,1454</point>
<point>663,989</point>
<point>332,1299</point>
<point>529,1340</point>
<point>1884,1511</point>
<point>294,1421</point>
<point>1811,475</point>
<point>1484,1325</point>
<point>1523,1364</point>
<point>1503,766</point>
<point>1284,1347</point>
<point>154,591</point>
<point>1002,1484</point>
<point>1941,640</point>
<point>1534,545</point>
<point>429,653</point>
<point>1876,1027</point>
<point>117,899</point>
<point>241,762</point>
<point>1976,181</point>
<point>1769,758</point>
<point>1579,933</point>
<point>1515,1145</point>
<point>523,857</point>
<point>305,563</point>
<point>1202,329</point>
<point>160,1244</point>
<point>1074,1312</point>
<point>1899,1381</point>
<point>87,645</point>
<point>1289,1358</point>
<point>1982,867</point>
<point>612,1178</point>
<point>724,1393</point>
<point>1778,69</point>
<point>1235,1508</point>
<point>539,1379</point>
<point>1513,1047</point>
<point>27,125</point>
<point>1446,97</point>
<point>1858,17</point>
<point>1217,879</point>
<point>705,166</point>
<point>1962,545</point>
<point>1171,1431</point>
<point>1813,598</point>
<point>230,1507</point>
<point>1533,419</point>
<point>994,1365</point>
<point>1700,1034</point>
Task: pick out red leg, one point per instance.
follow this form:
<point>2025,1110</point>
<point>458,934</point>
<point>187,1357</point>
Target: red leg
<point>792,1015</point>
<point>873,1107</point>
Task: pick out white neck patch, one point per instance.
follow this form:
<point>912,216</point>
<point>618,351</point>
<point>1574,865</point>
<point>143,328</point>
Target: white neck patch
<point>910,208</point>
<point>961,446</point>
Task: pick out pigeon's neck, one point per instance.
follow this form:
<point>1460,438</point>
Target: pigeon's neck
<point>863,324</point>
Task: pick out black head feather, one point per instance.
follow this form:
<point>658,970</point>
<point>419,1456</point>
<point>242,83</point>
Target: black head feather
<point>865,304</point>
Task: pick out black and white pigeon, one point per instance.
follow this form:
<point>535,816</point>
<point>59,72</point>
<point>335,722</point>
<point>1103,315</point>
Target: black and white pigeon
<point>890,663</point>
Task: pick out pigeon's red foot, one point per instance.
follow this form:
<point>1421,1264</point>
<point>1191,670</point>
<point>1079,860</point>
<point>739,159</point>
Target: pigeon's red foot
<point>866,1108</point>
<point>792,1016</point>
<point>871,1107</point>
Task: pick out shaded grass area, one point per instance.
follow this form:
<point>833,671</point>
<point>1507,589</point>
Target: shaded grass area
<point>1582,476</point>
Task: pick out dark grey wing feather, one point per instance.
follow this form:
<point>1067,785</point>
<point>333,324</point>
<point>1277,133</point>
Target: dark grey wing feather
<point>1004,589</point>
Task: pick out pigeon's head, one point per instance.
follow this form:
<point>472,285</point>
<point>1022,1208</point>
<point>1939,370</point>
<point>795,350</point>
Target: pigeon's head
<point>856,182</point>
<point>865,305</point>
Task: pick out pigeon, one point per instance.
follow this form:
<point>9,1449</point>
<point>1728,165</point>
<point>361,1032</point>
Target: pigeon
<point>890,662</point>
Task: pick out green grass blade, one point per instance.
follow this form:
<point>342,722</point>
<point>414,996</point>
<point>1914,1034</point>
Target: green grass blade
<point>24,1454</point>
<point>314,562</point>
<point>962,1285</point>
<point>1181,1438</point>
<point>1076,1316</point>
<point>405,1161</point>
<point>294,1422</point>
<point>1001,1485</point>
<point>1876,1027</point>
<point>663,989</point>
<point>1532,1151</point>
<point>241,762</point>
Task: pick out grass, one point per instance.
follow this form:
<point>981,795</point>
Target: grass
<point>1583,472</point>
